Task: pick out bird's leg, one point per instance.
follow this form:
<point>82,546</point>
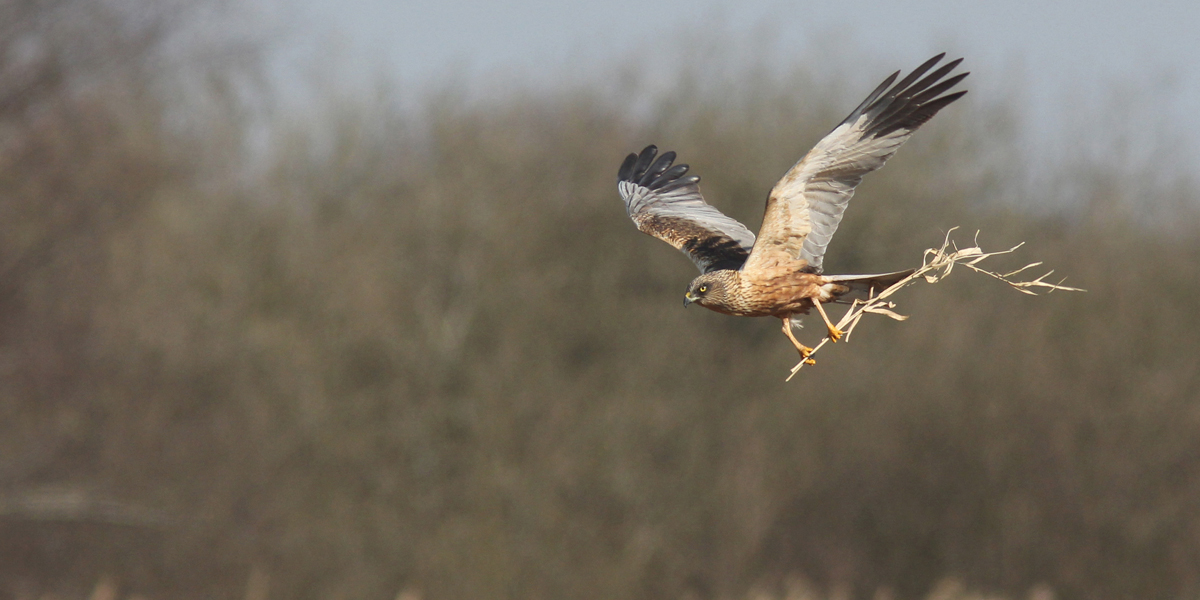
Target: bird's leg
<point>805,351</point>
<point>835,334</point>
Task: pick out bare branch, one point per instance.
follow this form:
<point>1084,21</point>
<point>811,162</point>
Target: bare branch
<point>937,265</point>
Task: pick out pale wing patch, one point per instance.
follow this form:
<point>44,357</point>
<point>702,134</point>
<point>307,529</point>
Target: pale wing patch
<point>806,206</point>
<point>667,205</point>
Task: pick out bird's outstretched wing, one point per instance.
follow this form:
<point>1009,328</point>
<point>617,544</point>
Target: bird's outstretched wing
<point>667,205</point>
<point>805,207</point>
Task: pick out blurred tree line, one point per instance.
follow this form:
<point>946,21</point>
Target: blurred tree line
<point>426,351</point>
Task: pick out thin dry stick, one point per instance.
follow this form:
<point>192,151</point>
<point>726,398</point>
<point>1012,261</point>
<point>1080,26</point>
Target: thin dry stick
<point>936,265</point>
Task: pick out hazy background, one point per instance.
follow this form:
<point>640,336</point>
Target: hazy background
<point>341,302</point>
<point>1055,59</point>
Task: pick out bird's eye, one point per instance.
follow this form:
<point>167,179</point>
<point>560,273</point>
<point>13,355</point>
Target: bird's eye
<point>702,289</point>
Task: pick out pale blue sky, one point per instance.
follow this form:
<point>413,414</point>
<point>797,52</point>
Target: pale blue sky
<point>1066,53</point>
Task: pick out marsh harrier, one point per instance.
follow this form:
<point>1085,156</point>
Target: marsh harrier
<point>780,274</point>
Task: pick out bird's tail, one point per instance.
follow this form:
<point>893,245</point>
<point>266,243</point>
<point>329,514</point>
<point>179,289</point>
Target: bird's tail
<point>863,286</point>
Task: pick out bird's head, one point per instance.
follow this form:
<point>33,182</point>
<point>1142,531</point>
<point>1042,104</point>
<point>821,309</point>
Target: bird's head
<point>709,289</point>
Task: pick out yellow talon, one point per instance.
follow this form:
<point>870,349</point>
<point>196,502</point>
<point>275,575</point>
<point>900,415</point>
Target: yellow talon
<point>787,330</point>
<point>809,361</point>
<point>835,334</point>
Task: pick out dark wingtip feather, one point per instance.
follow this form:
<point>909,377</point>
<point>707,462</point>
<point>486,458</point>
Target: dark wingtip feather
<point>667,176</point>
<point>647,172</point>
<point>625,173</point>
<point>662,164</point>
<point>937,90</point>
<point>871,98</point>
<point>644,159</point>
<point>899,88</point>
<point>911,103</point>
<point>919,116</point>
<point>678,183</point>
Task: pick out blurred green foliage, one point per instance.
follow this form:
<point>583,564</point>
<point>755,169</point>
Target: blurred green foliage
<point>427,351</point>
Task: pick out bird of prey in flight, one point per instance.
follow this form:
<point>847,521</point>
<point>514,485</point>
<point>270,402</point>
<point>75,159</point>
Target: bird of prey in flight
<point>780,273</point>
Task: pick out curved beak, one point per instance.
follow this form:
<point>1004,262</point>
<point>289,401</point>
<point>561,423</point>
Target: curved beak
<point>688,299</point>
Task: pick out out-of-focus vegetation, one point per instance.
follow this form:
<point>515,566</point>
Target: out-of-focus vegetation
<point>427,353</point>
